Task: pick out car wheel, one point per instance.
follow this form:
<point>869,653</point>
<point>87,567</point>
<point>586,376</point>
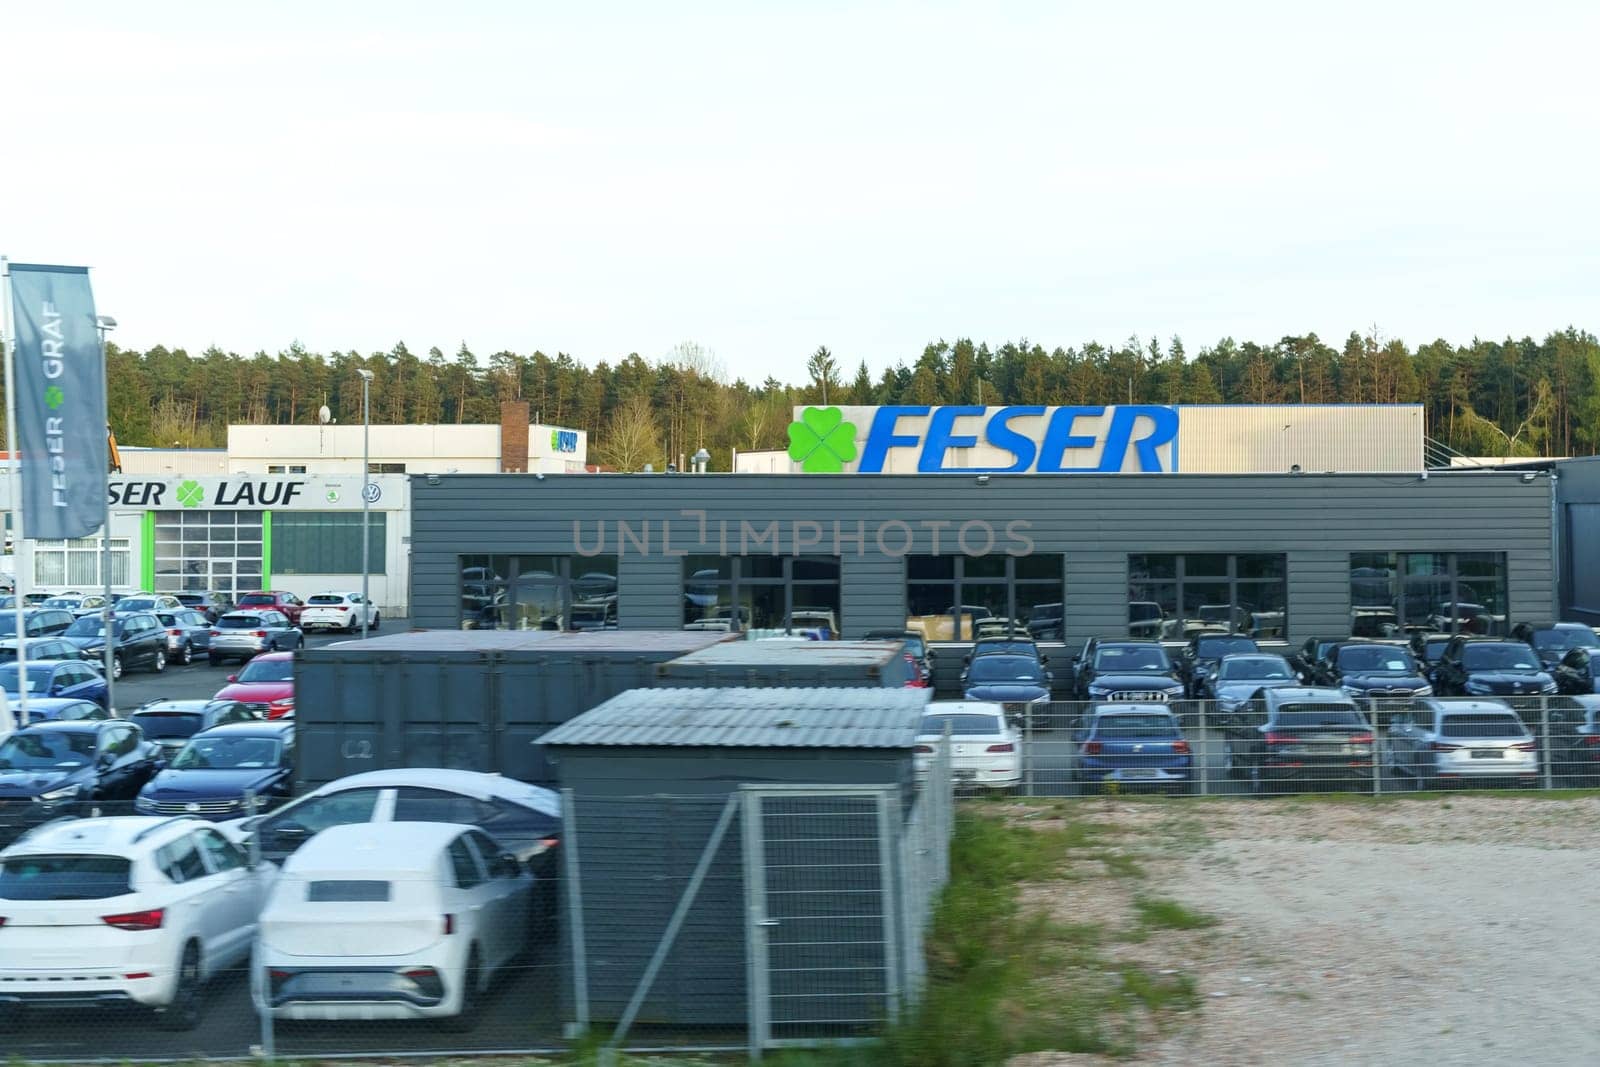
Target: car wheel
<point>471,998</point>
<point>354,625</point>
<point>1259,784</point>
<point>186,654</point>
<point>161,661</point>
<point>214,659</point>
<point>183,1013</point>
<point>116,667</point>
<point>300,641</point>
<point>1230,764</point>
<point>377,619</point>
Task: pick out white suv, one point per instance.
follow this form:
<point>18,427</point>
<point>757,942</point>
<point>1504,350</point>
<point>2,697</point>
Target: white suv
<point>120,911</point>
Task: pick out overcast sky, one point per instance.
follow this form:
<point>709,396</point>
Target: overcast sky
<point>762,179</point>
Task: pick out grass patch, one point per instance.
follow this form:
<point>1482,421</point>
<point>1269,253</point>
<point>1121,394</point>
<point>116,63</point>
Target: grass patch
<point>1170,915</point>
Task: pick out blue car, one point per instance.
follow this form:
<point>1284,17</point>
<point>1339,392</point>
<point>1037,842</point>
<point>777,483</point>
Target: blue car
<point>1135,746</point>
<point>60,709</point>
<point>1006,678</point>
<point>57,678</point>
<point>170,723</point>
<point>212,773</point>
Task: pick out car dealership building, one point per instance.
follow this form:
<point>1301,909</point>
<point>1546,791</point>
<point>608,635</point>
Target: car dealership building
<point>1288,522</point>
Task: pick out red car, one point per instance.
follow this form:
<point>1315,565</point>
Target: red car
<point>265,685</point>
<point>287,603</point>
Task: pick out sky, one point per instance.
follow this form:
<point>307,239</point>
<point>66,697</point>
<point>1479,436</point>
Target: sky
<point>761,179</point>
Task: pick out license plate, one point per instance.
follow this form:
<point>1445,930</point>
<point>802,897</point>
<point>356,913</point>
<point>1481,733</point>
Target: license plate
<point>1138,772</point>
<point>965,774</point>
<point>1487,753</point>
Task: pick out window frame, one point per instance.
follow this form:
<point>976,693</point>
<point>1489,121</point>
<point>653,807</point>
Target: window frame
<point>317,537</point>
<point>737,581</point>
<point>1180,579</point>
<point>958,580</point>
<point>1400,578</point>
<point>501,588</point>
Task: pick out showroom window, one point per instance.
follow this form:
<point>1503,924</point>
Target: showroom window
<point>1173,596</point>
<point>538,592</point>
<point>76,563</point>
<point>1018,592</point>
<point>1395,593</point>
<point>326,542</point>
<point>762,593</point>
<point>208,551</point>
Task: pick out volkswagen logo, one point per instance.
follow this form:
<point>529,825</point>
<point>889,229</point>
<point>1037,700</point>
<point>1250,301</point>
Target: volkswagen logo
<point>191,807</point>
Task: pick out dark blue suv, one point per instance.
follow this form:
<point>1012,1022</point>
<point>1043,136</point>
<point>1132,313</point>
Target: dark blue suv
<point>212,774</point>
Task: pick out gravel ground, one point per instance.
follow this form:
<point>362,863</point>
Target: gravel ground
<point>1453,931</point>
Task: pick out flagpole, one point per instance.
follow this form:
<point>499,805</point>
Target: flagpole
<point>14,487</point>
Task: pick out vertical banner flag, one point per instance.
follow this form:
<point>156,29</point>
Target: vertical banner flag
<point>61,385</point>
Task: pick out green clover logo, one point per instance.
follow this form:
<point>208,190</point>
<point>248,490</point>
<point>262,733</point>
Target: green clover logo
<point>54,397</point>
<point>822,442</point>
<point>191,494</point>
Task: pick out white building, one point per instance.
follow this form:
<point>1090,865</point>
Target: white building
<point>426,449</point>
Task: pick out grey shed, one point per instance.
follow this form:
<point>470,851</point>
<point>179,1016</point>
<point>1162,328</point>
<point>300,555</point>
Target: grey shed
<point>648,775</point>
<point>791,663</point>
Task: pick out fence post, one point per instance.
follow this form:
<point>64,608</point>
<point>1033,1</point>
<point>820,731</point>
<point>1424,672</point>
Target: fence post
<point>574,887</point>
<point>269,1050</point>
<point>1377,747</point>
<point>1027,749</point>
<point>1543,750</point>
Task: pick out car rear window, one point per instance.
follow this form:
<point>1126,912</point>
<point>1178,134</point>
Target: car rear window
<point>326,600</point>
<point>1481,726</point>
<point>1217,647</point>
<point>239,622</point>
<point>64,877</point>
<point>961,724</point>
<point>1506,657</point>
<point>347,890</point>
<point>1135,726</point>
<point>158,724</point>
<point>255,600</point>
<point>1318,715</point>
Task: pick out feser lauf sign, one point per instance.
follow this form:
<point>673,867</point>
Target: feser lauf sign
<point>1019,439</point>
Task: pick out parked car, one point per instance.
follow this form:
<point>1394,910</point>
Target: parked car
<point>170,723</point>
<point>337,611</point>
<point>1198,659</point>
<point>117,911</point>
<point>1134,746</point>
<point>372,883</point>
<point>216,768</point>
<point>265,686</point>
<point>985,751</point>
<point>1310,655</point>
<point>188,632</point>
<point>1006,678</point>
<point>526,819</point>
<point>35,599</point>
<point>1129,670</point>
<point>1491,666</point>
<point>1578,672</point>
<point>36,622</point>
<point>137,641</point>
<point>64,602</point>
<point>1238,678</point>
<point>1367,670</point>
<point>212,605</point>
<point>1147,620</point>
<point>1047,622</point>
<point>54,678</point>
<point>1315,736</point>
<point>915,644</point>
<point>1007,645</point>
<point>147,602</point>
<point>62,709</point>
<point>1553,640</point>
<point>242,634</point>
<point>1428,648</point>
<point>286,603</point>
<point>41,648</point>
<point>1574,740</point>
<point>63,768</point>
<point>1451,741</point>
<point>94,604</point>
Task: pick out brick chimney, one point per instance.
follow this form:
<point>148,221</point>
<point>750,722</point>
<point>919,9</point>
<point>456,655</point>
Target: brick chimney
<point>513,437</point>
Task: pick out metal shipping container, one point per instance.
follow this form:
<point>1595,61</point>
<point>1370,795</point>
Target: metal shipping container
<point>468,699</point>
<point>798,664</point>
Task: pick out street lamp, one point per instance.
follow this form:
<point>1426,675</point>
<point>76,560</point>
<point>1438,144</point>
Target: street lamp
<point>366,502</point>
<point>105,324</point>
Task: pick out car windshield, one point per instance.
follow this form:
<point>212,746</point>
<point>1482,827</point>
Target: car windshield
<point>989,647</point>
<point>67,602</point>
<point>228,753</point>
<point>1126,725</point>
<point>64,877</point>
<point>88,626</point>
<point>1434,650</point>
<point>38,678</point>
<point>1507,657</point>
<point>138,603</point>
<point>915,646</point>
<point>1127,658</point>
<point>1004,669</point>
<point>1265,668</point>
<point>268,670</point>
<point>1313,715</point>
<point>1506,725</point>
<point>959,724</point>
<point>1217,647</point>
<point>239,622</point>
<point>46,751</point>
<point>326,600</point>
<point>1565,638</point>
<point>168,724</point>
<point>1376,658</point>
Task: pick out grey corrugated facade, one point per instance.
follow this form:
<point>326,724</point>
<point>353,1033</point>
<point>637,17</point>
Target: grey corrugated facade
<point>1577,524</point>
<point>1317,521</point>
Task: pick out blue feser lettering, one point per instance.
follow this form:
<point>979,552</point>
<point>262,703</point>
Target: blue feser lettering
<point>881,437</point>
<point>1048,455</point>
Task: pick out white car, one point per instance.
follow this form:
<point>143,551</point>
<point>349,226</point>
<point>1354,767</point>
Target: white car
<point>1447,741</point>
<point>391,921</point>
<point>128,910</point>
<point>985,749</point>
<point>337,611</point>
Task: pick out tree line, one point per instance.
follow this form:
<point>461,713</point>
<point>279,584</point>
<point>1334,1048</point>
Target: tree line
<point>1485,398</point>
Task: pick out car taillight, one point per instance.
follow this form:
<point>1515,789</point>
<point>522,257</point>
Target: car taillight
<point>1282,739</point>
<point>258,633</point>
<point>545,845</point>
<point>2,920</point>
<point>1091,748</point>
<point>926,750</point>
<point>1361,739</point>
<point>1180,747</point>
<point>1443,746</point>
<point>419,973</point>
<point>216,633</point>
<point>1526,746</point>
<point>137,920</point>
<point>449,924</point>
<point>1006,746</point>
<point>175,633</point>
<point>1590,739</point>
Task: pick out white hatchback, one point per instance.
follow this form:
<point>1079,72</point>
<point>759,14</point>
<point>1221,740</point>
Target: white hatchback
<point>985,749</point>
<point>391,921</point>
<point>129,910</point>
<point>337,611</point>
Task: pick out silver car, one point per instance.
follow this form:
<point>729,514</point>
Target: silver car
<point>147,602</point>
<point>1447,741</point>
<point>242,635</point>
<point>188,632</point>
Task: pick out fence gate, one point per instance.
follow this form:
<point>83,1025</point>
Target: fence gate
<point>822,931</point>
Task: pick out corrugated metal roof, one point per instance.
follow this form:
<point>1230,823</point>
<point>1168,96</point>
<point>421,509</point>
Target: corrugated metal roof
<point>791,654</point>
<point>553,641</point>
<point>750,718</point>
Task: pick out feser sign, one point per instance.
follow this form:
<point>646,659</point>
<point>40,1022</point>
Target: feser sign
<point>1020,439</point>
